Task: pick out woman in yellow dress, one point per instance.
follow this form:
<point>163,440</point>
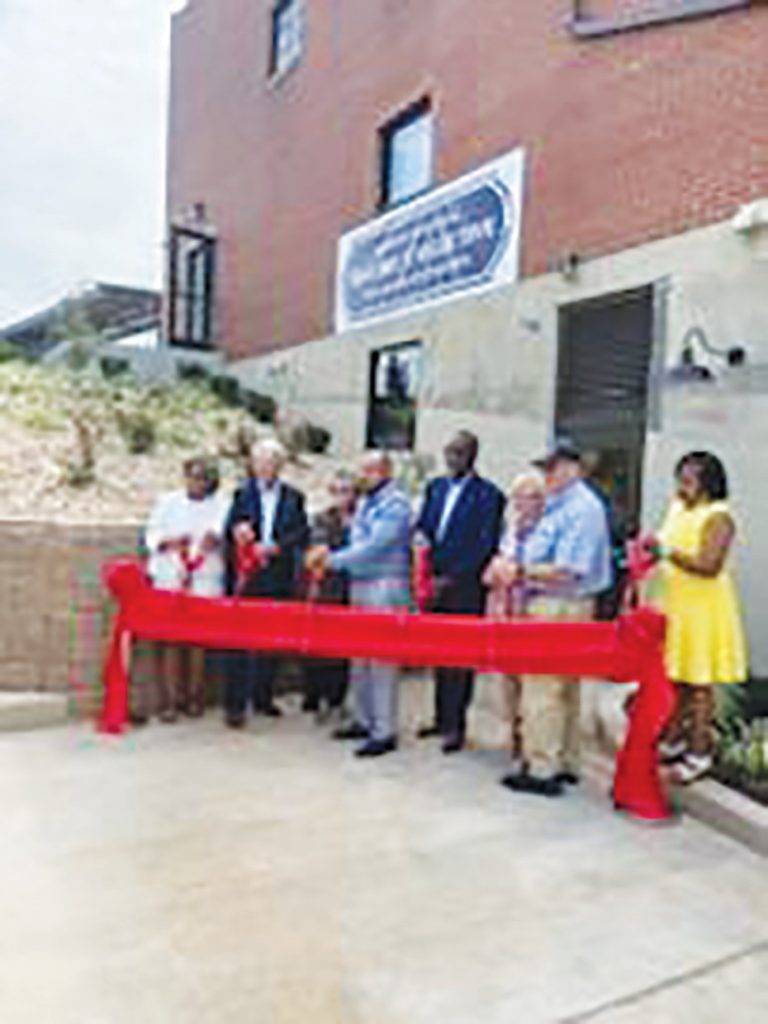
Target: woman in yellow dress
<point>705,640</point>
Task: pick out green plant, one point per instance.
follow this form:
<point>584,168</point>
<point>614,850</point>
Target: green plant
<point>192,372</point>
<point>261,407</point>
<point>226,388</point>
<point>81,470</point>
<point>742,748</point>
<point>10,352</point>
<point>137,429</point>
<point>113,366</point>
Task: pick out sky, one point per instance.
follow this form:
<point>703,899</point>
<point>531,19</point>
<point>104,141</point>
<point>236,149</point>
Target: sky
<point>83,98</point>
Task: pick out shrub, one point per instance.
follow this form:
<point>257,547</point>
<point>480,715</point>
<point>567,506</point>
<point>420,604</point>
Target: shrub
<point>226,388</point>
<point>318,439</point>
<point>261,407</point>
<point>113,366</point>
<point>193,372</point>
<point>81,470</point>
<point>137,430</point>
<point>9,351</point>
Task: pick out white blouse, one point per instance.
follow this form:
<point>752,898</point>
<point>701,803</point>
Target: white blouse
<point>177,515</point>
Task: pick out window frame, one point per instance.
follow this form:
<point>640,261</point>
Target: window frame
<point>189,295</point>
<point>380,431</point>
<point>279,9</point>
<point>403,119</point>
<point>583,26</point>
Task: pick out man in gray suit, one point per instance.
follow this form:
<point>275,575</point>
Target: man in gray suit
<point>377,560</point>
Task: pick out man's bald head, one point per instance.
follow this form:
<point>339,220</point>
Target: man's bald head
<point>374,468</point>
<point>461,453</point>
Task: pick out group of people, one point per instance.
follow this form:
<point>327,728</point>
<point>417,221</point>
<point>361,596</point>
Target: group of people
<point>550,556</point>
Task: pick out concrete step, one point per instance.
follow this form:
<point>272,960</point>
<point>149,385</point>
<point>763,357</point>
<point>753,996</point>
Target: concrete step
<point>22,711</point>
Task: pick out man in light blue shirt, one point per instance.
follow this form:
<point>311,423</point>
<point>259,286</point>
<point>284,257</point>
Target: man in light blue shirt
<point>377,560</point>
<point>572,538</point>
<point>566,564</point>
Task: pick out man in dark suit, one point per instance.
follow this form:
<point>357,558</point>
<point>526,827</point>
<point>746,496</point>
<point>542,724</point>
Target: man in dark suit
<point>266,533</point>
<point>461,521</point>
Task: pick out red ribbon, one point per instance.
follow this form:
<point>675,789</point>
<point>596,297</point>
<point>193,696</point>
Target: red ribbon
<point>249,559</point>
<point>190,564</point>
<point>423,580</point>
<point>626,650</point>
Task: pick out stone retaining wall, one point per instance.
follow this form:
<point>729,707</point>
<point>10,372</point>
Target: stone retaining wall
<point>54,610</point>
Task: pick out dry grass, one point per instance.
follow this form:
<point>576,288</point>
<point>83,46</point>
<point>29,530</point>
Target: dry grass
<point>40,409</point>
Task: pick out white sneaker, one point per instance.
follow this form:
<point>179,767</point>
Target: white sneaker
<point>691,768</point>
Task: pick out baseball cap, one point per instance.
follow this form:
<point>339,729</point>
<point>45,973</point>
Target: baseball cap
<point>562,450</point>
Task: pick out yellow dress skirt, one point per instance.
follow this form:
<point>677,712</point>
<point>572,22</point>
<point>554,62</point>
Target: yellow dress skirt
<point>705,637</point>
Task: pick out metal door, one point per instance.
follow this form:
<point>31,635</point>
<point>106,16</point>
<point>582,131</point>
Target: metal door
<point>604,359</point>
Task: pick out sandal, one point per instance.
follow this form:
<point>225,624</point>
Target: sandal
<point>691,768</point>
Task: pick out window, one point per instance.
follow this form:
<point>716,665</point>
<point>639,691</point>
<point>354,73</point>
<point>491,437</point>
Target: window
<point>190,288</point>
<point>606,17</point>
<point>393,392</point>
<point>406,154</point>
<point>287,36</point>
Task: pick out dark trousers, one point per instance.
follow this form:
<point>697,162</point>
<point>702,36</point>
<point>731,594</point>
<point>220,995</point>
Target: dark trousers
<point>453,694</point>
<point>250,679</point>
<point>454,687</point>
<point>325,682</point>
<point>251,674</point>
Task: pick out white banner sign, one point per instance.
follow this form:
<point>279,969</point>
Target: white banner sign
<point>461,238</point>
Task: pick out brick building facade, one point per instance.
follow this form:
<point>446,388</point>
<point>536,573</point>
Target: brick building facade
<point>630,135</point>
<point>634,319</point>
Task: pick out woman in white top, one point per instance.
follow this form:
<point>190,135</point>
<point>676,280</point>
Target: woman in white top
<point>185,541</point>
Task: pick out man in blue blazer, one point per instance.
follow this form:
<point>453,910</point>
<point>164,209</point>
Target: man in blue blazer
<point>461,521</point>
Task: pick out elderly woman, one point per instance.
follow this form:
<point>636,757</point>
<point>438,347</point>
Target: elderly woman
<point>705,641</point>
<point>185,541</point>
<point>507,595</point>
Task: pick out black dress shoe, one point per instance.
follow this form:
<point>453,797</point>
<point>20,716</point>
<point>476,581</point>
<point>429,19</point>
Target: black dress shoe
<point>235,721</point>
<point>271,711</point>
<point>568,778</point>
<point>353,731</point>
<point>375,748</point>
<point>453,744</point>
<point>426,732</point>
<point>532,784</point>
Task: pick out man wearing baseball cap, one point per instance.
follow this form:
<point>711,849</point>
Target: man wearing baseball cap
<point>566,563</point>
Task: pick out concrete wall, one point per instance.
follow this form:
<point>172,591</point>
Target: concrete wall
<point>54,611</point>
<point>490,365</point>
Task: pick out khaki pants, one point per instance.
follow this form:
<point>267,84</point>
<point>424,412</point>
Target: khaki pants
<point>551,705</point>
<point>512,690</point>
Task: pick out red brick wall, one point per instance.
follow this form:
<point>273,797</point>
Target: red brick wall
<point>629,137</point>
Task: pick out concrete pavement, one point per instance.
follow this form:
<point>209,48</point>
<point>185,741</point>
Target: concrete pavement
<point>190,875</point>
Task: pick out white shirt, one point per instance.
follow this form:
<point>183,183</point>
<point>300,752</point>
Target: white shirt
<point>269,497</point>
<point>455,488</point>
<point>177,515</point>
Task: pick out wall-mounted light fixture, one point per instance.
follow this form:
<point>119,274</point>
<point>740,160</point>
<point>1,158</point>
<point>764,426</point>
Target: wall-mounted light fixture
<point>695,343</point>
<point>568,265</point>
